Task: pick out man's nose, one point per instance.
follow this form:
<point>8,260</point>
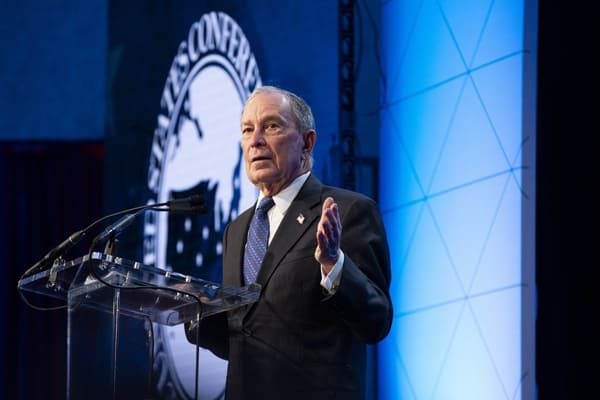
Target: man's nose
<point>257,138</point>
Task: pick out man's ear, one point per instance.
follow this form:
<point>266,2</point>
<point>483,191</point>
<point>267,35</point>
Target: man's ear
<point>310,137</point>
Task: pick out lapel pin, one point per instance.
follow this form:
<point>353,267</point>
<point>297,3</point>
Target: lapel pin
<point>300,219</point>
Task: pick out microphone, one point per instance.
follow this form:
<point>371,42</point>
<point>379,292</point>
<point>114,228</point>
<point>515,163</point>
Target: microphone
<point>192,204</point>
<point>115,228</point>
<point>57,251</point>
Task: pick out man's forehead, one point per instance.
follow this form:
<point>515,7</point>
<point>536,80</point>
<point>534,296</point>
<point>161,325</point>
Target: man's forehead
<point>265,105</point>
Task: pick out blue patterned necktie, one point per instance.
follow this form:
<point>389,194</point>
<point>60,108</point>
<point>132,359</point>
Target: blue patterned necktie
<point>258,238</point>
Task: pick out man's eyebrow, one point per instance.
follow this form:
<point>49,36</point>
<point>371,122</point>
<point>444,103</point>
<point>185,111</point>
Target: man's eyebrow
<point>265,118</point>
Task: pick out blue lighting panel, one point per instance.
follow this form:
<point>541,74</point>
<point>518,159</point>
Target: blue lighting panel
<point>458,194</point>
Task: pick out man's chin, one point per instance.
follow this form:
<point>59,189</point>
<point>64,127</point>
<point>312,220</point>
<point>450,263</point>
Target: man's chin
<point>263,176</point>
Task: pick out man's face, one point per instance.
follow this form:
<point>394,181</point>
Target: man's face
<point>272,144</point>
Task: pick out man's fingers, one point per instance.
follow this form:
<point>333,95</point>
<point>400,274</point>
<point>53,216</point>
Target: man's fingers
<point>328,201</point>
<point>338,220</point>
<point>328,231</point>
<point>322,240</point>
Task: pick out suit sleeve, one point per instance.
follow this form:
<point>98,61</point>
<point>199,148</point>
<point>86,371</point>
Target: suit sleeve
<point>212,332</point>
<point>362,299</point>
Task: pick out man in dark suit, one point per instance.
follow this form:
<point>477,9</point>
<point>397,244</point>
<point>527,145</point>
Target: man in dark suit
<point>325,276</point>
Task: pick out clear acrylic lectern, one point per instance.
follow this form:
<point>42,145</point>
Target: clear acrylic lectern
<point>104,293</point>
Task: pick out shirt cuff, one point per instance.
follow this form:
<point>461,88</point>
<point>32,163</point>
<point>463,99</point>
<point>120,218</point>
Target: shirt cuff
<point>331,281</point>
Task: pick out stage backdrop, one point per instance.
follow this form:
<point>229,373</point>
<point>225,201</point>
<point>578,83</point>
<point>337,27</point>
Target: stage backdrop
<point>179,73</point>
<point>458,162</point>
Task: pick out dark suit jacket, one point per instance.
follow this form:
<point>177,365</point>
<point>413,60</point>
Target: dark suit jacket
<point>297,341</point>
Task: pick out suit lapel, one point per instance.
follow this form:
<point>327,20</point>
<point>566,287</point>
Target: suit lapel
<point>303,211</point>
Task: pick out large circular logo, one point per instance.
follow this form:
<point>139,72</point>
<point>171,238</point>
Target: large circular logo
<point>196,149</point>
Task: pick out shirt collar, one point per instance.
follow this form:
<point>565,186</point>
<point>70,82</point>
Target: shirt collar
<point>284,198</point>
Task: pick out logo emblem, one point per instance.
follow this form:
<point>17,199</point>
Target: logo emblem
<point>196,149</point>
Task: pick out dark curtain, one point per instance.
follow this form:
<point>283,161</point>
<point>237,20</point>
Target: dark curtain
<point>49,191</point>
<point>567,210</point>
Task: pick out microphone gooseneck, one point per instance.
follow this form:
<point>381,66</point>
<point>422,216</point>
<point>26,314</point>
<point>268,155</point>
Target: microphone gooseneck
<point>192,205</point>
